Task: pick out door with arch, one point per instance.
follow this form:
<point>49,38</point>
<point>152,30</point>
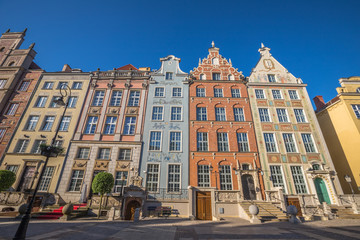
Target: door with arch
<point>321,191</point>
<point>248,187</point>
<point>130,209</point>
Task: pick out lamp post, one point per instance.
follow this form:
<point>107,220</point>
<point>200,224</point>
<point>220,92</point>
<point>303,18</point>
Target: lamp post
<point>122,194</point>
<point>21,231</point>
<point>348,180</point>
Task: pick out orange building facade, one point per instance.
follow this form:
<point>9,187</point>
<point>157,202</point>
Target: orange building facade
<point>223,161</point>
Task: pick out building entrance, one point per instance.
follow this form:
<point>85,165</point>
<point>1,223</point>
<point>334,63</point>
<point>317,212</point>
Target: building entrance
<point>130,209</point>
<point>321,191</point>
<point>203,206</point>
<point>248,187</point>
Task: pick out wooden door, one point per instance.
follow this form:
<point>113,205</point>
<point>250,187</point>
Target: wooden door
<point>296,203</point>
<point>203,206</point>
<point>27,179</point>
<point>248,186</point>
<point>321,191</point>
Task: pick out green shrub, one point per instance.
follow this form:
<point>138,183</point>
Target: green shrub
<point>103,183</point>
<point>7,178</point>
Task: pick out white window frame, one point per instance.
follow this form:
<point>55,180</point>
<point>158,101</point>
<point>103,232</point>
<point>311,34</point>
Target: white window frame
<point>225,144</point>
<point>2,83</point>
<point>157,114</point>
<point>356,109</point>
<point>296,176</point>
<point>293,95</point>
<point>48,125</point>
<point>23,86</point>
<point>176,141</point>
<point>36,146</point>
<point>270,148</point>
<point>115,100</point>
<point>171,113</point>
<point>21,145</point>
<point>220,114</point>
<point>276,93</point>
<point>264,115</point>
<point>289,143</point>
<point>62,85</point>
<point>64,123</point>
<point>202,142</point>
<point>48,85</point>
<point>226,176</point>
<point>134,100</point>
<point>98,100</point>
<point>239,115</point>
<point>260,94</point>
<point>12,108</point>
<point>218,76</point>
<point>79,154</point>
<point>243,142</point>
<point>110,127</point>
<point>205,176</point>
<point>298,116</point>
<point>235,93</point>
<point>151,189</point>
<point>169,183</point>
<point>32,123</point>
<point>314,149</point>
<point>119,183</point>
<point>201,93</point>
<point>163,92</point>
<point>283,185</point>
<point>45,181</point>
<point>200,114</point>
<point>169,76</point>
<point>219,94</point>
<point>160,141</point>
<point>104,153</point>
<point>76,187</point>
<point>271,78</point>
<point>172,92</point>
<point>77,85</point>
<point>282,115</point>
<point>127,155</point>
<point>91,124</point>
<point>2,133</point>
<point>72,101</point>
<point>129,125</point>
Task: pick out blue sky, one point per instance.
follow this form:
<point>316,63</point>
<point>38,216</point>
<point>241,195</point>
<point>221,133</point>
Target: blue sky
<point>317,41</point>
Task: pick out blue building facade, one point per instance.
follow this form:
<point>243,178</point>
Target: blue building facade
<point>164,159</point>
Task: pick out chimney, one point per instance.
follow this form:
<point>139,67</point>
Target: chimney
<point>66,68</point>
<point>319,102</point>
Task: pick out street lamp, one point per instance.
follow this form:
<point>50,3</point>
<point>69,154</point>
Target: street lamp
<point>348,180</point>
<point>65,90</point>
<point>122,194</point>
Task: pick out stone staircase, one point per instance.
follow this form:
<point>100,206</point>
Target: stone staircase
<point>55,212</point>
<point>344,212</point>
<point>267,211</point>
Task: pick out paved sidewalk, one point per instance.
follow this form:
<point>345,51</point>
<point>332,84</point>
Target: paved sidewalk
<point>183,229</point>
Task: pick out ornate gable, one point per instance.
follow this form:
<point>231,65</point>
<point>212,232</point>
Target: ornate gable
<point>268,70</point>
<point>216,67</point>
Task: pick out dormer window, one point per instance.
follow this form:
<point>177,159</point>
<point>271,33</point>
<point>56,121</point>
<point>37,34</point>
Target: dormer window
<point>202,77</point>
<point>358,90</point>
<point>216,76</point>
<point>11,64</point>
<point>215,61</point>
<point>231,77</point>
<point>245,166</point>
<point>271,77</point>
<point>169,76</point>
<point>316,166</point>
<point>2,49</point>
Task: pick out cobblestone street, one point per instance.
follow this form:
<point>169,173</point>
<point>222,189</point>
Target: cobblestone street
<point>181,229</point>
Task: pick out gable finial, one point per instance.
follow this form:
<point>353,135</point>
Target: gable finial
<point>262,45</point>
<point>212,44</point>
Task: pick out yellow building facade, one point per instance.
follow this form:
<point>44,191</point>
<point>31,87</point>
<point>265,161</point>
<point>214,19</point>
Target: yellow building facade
<point>339,120</point>
<point>40,121</point>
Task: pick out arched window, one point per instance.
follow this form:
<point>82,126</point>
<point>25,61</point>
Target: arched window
<point>215,61</point>
<point>202,76</point>
<point>231,77</point>
<point>11,64</point>
<point>200,91</point>
<point>245,166</point>
<point>2,49</point>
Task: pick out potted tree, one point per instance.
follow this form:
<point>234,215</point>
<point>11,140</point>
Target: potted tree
<point>102,184</point>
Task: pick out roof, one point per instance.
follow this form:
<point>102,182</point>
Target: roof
<point>127,67</point>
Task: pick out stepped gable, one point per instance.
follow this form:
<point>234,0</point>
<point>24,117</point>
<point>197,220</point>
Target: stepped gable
<point>267,64</point>
<point>215,63</point>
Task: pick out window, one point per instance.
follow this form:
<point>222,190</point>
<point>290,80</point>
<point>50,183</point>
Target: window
<point>356,109</point>
<point>220,114</point>
<point>235,93</point>
<point>276,94</point>
<point>48,85</point>
<point>176,92</point>
<point>243,143</point>
<point>46,179</point>
<point>289,142</point>
<point>216,76</point>
<point>282,116</point>
<point>83,153</point>
<point>215,61</point>
<point>293,95</point>
<point>225,177</point>
<point>53,103</point>
<point>36,147</point>
<point>11,64</point>
<point>176,114</point>
<point>231,77</point>
<point>129,128</point>
<point>91,125</point>
<point>12,109</point>
<point>125,154</point>
<point>298,178</point>
<point>98,98</point>
<point>239,115</point>
<point>202,77</point>
<point>169,76</point>
<point>134,99</point>
<point>64,124</point>
<point>203,176</point>
<point>159,92</point>
<point>2,133</point>
<point>2,83</point>
<point>48,123</point>
<point>277,176</point>
<point>110,125</point>
<point>120,181</point>
<point>202,141</point>
<point>222,139</point>
<point>270,142</point>
<point>72,102</point>
<point>271,78</point>
<point>174,178</point>
<point>76,180</point>
<point>264,115</point>
<point>41,101</point>
<point>62,85</point>
<point>245,166</point>
<point>58,143</point>
<point>21,146</point>
<point>77,85</point>
<point>316,166</point>
<point>200,92</point>
<point>155,141</point>
<point>175,141</point>
<point>2,49</point>
<point>115,98</point>
<point>152,177</point>
<point>259,93</point>
<point>32,122</point>
<point>201,114</point>
<point>104,153</point>
<point>218,92</point>
<point>23,87</point>
<point>308,143</point>
<point>299,115</point>
<point>358,90</point>
<point>12,168</point>
<point>157,113</point>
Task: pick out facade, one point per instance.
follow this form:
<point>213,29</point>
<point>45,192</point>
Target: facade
<point>40,121</point>
<point>18,78</point>
<point>164,159</point>
<point>340,124</point>
<point>224,166</point>
<point>108,136</point>
<point>297,166</point>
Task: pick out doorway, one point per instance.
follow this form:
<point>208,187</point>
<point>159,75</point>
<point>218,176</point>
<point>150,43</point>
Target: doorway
<point>203,206</point>
<point>130,209</point>
<point>248,187</point>
<point>27,179</point>
<point>321,191</point>
<point>296,203</point>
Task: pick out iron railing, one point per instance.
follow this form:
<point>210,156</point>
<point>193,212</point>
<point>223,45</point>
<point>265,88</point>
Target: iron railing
<point>166,194</point>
